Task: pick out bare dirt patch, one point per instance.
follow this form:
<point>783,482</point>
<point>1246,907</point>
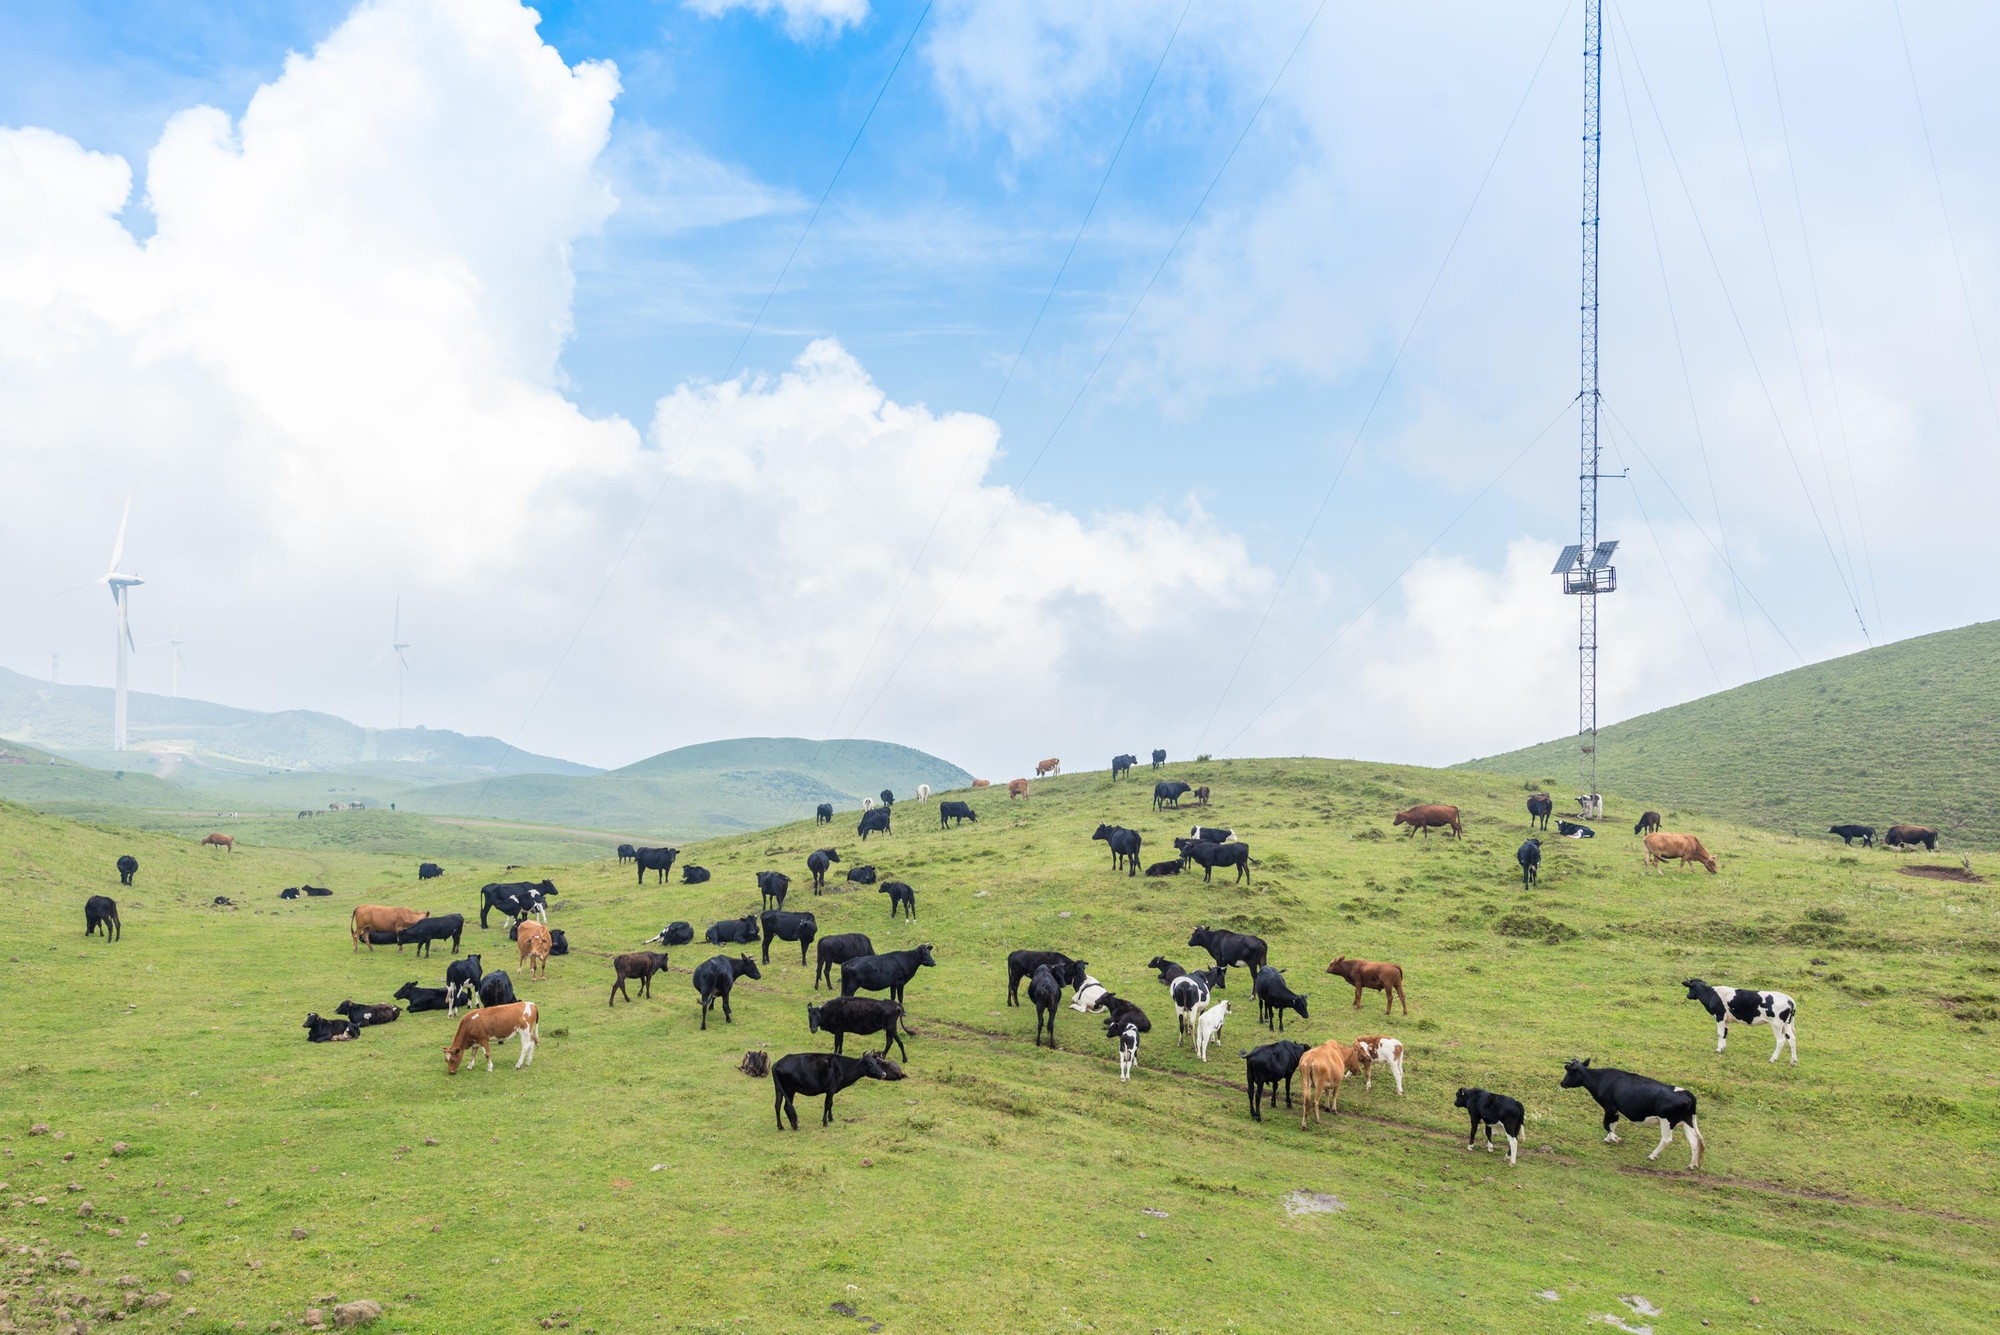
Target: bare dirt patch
<point>1962,875</point>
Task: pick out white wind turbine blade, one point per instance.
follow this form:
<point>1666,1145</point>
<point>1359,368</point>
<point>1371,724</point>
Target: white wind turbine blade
<point>118,547</point>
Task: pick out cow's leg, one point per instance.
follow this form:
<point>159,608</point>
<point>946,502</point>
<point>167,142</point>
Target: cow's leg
<point>1610,1126</point>
<point>727,1018</point>
<point>1666,1137</point>
<point>1396,1065</point>
<point>1489,1137</point>
<point>485,1047</point>
<point>1792,1037</point>
<point>527,1048</point>
<point>1513,1148</point>
<point>1697,1143</point>
<point>826,1117</point>
<point>1721,1035</point>
<point>705,1004</point>
<point>781,1104</point>
<point>1357,996</point>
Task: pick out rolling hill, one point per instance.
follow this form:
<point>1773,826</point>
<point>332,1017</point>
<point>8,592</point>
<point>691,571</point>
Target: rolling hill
<point>1905,732</point>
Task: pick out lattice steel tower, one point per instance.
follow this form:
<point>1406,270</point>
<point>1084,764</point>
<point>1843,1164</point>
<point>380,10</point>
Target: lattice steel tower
<point>1586,568</point>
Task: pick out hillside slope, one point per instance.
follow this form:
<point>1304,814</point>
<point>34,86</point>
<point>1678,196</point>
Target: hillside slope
<point>1906,732</point>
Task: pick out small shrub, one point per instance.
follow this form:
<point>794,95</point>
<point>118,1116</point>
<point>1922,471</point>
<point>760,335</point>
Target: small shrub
<point>1203,759</point>
<point>1536,926</point>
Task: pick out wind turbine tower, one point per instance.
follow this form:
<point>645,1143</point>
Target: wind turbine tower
<point>174,642</point>
<point>121,586</point>
<point>396,646</point>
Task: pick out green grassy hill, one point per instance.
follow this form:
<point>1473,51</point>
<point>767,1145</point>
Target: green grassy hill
<point>632,1179</point>
<point>1906,732</point>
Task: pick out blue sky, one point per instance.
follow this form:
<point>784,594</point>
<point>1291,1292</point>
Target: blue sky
<point>1224,411</point>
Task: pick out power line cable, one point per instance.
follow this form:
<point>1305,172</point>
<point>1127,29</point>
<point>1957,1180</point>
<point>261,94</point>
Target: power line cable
<point>1667,564</point>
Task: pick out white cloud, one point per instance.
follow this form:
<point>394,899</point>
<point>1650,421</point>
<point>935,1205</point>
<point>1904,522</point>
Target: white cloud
<point>804,20</point>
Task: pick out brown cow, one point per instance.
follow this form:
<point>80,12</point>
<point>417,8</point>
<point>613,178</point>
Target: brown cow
<point>495,1024</point>
<point>982,783</point>
<point>1909,836</point>
<point>1372,1048</point>
<point>640,964</point>
<point>225,842</point>
<point>536,943</point>
<point>1429,815</point>
<point>369,918</point>
<point>1049,766</point>
<point>1662,848</point>
<point>1201,796</point>
<point>1016,788</point>
<point>1375,977</point>
<point>1322,1069</point>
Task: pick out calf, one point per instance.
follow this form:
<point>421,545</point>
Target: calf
<point>1742,1005</point>
<point>693,875</point>
<point>864,875</point>
<point>873,822</point>
<point>673,934</point>
<point>330,1031</point>
<point>1321,1070</point>
<point>101,911</point>
<point>1206,835</point>
<point>1490,1110</point>
<point>128,867</point>
<point>888,798</point>
<point>799,927</point>
<point>496,989</point>
<point>1274,998</point>
<point>1540,807</point>
<point>1529,855</point>
<point>495,1024</point>
<point>427,932</point>
<point>772,887</point>
<point>1169,792</point>
<point>535,943</point>
<point>315,891</point>
<point>461,983</point>
<point>960,812</point>
<point>1164,869</point>
<point>626,853</point>
<point>1268,1065</point>
<point>1016,788</point>
<point>1683,848</point>
<point>366,1015</point>
<point>1127,1035</point>
<point>838,950</point>
<point>890,972</point>
<point>1909,836</point>
<point>812,1073</point>
<point>1159,757</point>
<point>1569,829</point>
<point>1430,816</point>
<point>1023,963</point>
<point>1121,766</point>
<point>1089,996</point>
<point>713,978</point>
<point>1191,994</point>
<point>1638,1098</point>
<point>1211,856</point>
<point>1124,845</point>
<point>1377,1048</point>
<point>289,892</point>
<point>415,998</point>
<point>659,861</point>
<point>1201,795</point>
<point>1231,947</point>
<point>1045,993</point>
<point>901,897</point>
<point>1372,976</point>
<point>1648,823</point>
<point>1849,833</point>
<point>841,1016</point>
<point>640,964</point>
<point>817,862</point>
<point>429,871</point>
<point>1049,766</point>
<point>1120,1014</point>
<point>732,931</point>
<point>1208,1027</point>
<point>823,814</point>
<point>1166,968</point>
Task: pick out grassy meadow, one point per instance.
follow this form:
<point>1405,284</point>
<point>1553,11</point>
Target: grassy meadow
<point>632,1179</point>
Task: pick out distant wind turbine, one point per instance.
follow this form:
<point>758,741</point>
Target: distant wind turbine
<point>396,647</point>
<point>176,642</point>
<point>121,586</point>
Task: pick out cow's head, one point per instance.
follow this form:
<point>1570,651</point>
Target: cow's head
<point>1200,934</point>
<point>746,967</point>
<point>925,958</point>
<point>1695,987</point>
<point>812,1018</point>
<point>1573,1071</point>
<point>452,1057</point>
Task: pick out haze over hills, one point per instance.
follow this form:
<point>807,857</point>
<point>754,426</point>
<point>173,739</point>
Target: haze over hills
<point>1908,731</point>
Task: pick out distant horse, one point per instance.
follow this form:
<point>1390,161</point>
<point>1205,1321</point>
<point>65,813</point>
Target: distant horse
<point>227,843</point>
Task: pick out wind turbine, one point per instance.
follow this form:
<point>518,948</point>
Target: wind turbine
<point>396,647</point>
<point>121,585</point>
<point>176,641</point>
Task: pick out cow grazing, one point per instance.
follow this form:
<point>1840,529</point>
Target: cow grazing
<point>513,899</point>
<point>799,927</point>
<point>496,989</point>
<point>225,842</point>
<point>1269,1065</point>
<point>1378,1048</point>
<point>888,798</point>
<point>901,897</point>
<point>1163,869</point>
<point>982,783</point>
<point>715,976</point>
<point>1208,1027</point>
<point>1049,766</point>
<point>1124,846</point>
<point>429,871</point>
<point>1540,807</point>
<point>1490,1110</point>
<point>1210,856</point>
<point>1275,997</point>
<point>495,1024</point>
<point>817,862</point>
<point>1372,976</point>
<point>772,887</point>
<point>1023,963</point>
<point>626,853</point>
<point>319,1030</point>
<point>1648,823</point>
<point>1121,766</point>
<point>415,998</point>
<point>959,812</point>
<point>1742,1005</point>
<point>461,984</point>
<point>838,950</point>
<point>1662,848</point>
<point>1190,993</point>
<point>1529,855</point>
<point>659,861</point>
<point>1169,792</point>
<point>535,944</point>
<point>289,892</point>
<point>889,972</point>
<point>873,822</point>
<point>841,1016</point>
<point>1016,788</point>
<point>862,875</point>
<point>1231,947</point>
<point>1909,836</point>
<point>673,934</point>
<point>640,965</point>
<point>1159,756</point>
<point>733,931</point>
<point>1045,994</point>
<point>426,932</point>
<point>370,918</point>
<point>823,814</point>
<point>1431,816</point>
<point>815,1073</point>
<point>1167,969</point>
<point>693,875</point>
<point>1321,1070</point>
<point>128,867</point>
<point>1638,1098</point>
<point>102,911</point>
<point>1849,833</point>
<point>1569,829</point>
<point>366,1015</point>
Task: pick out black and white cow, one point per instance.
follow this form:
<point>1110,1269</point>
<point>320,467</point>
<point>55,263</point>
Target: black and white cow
<point>461,984</point>
<point>514,899</point>
<point>1190,993</point>
<point>1742,1005</point>
<point>1849,833</point>
<point>1569,829</point>
<point>1488,1109</point>
<point>1204,834</point>
<point>673,934</point>
<point>1638,1098</point>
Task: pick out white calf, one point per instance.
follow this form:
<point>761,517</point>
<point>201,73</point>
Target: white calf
<point>1379,1049</point>
<point>1208,1026</point>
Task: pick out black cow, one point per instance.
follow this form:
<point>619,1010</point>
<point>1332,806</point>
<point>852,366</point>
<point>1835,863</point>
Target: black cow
<point>1210,856</point>
<point>1540,807</point>
<point>693,875</point>
<point>1268,1065</point>
<point>841,1016</point>
<point>496,989</point>
<point>1169,792</point>
<point>1164,869</point>
<point>955,811</point>
<point>1124,845</point>
<point>1045,993</point>
<point>817,862</point>
<point>289,892</point>
<point>365,1014</point>
<point>901,897</point>
<point>1569,829</point>
<point>515,898</point>
<point>838,950</point>
<point>873,822</point>
<point>715,976</point>
<point>772,887</point>
<point>888,798</point>
<point>558,939</point>
<point>461,983</point>
<point>673,934</point>
<point>1848,834</point>
<point>1159,756</point>
<point>1206,835</point>
<point>864,875</point>
<point>427,871</point>
<point>1647,823</point>
<point>732,931</point>
<point>1167,968</point>
<point>799,927</point>
<point>626,853</point>
<point>415,998</point>
<point>1638,1098</point>
<point>128,867</point>
<point>1121,766</point>
<point>812,1073</point>
<point>659,861</point>
<point>1529,855</point>
<point>1231,947</point>
<point>320,1030</point>
<point>102,911</point>
<point>315,892</point>
<point>425,932</point>
<point>1023,963</point>
<point>824,813</point>
<point>1487,1110</point>
<point>890,972</point>
<point>1274,998</point>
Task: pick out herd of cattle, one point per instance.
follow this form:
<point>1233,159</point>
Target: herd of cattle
<point>494,1013</point>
